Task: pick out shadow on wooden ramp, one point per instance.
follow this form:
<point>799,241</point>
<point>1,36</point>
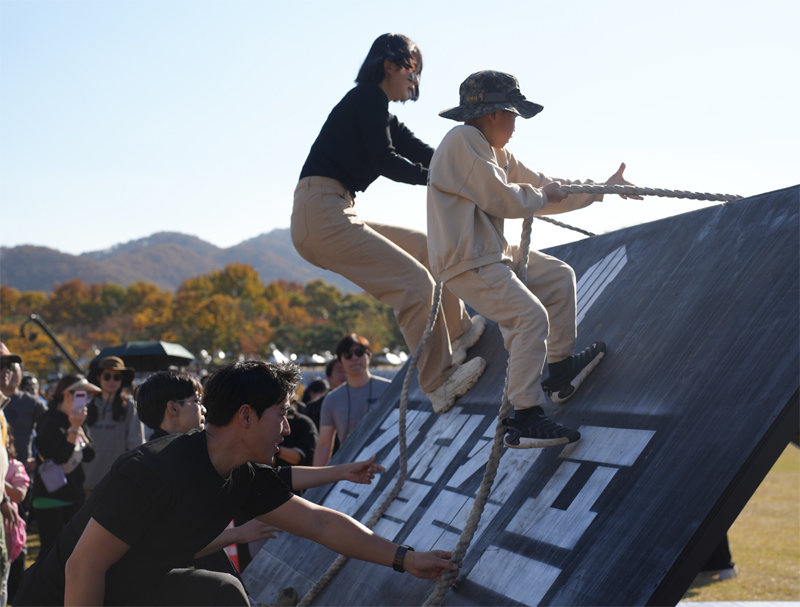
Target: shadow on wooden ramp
<point>694,402</point>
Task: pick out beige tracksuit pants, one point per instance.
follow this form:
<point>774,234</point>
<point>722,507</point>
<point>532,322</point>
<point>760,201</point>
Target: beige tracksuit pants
<point>536,319</point>
<point>388,262</point>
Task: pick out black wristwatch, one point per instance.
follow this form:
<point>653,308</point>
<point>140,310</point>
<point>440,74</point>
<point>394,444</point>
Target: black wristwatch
<point>399,557</point>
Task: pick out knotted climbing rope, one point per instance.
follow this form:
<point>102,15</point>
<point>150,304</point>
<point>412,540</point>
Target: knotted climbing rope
<point>631,190</point>
<point>402,457</point>
<point>447,579</point>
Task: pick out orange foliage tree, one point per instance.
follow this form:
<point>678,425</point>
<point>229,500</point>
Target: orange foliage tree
<point>228,310</point>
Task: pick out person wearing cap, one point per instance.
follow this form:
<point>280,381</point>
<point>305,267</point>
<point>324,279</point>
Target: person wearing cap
<point>20,412</point>
<point>359,142</point>
<point>162,503</point>
<point>112,417</point>
<point>475,183</point>
<point>63,439</point>
<point>23,410</point>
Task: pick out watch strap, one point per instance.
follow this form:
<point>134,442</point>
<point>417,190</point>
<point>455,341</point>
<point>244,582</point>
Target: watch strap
<point>399,557</point>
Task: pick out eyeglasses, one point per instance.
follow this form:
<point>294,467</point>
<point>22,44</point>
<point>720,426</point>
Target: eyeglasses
<point>110,377</point>
<point>192,400</point>
<point>358,352</point>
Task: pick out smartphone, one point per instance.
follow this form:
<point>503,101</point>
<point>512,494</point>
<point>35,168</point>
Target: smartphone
<point>80,401</point>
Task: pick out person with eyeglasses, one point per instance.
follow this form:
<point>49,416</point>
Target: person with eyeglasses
<point>343,408</point>
<point>62,439</point>
<point>359,142</point>
<point>111,416</point>
<point>184,489</point>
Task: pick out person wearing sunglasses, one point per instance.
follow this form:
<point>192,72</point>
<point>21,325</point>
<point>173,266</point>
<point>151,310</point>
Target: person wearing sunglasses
<point>164,502</point>
<point>23,410</point>
<point>111,416</point>
<point>359,142</point>
<point>343,408</point>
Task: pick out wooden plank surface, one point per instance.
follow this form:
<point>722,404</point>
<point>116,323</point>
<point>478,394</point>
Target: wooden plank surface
<point>693,403</point>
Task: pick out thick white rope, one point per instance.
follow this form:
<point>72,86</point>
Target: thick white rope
<point>446,580</point>
<point>403,456</point>
<point>630,190</point>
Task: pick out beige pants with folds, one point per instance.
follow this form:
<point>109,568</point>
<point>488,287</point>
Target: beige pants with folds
<point>388,262</point>
<point>536,319</point>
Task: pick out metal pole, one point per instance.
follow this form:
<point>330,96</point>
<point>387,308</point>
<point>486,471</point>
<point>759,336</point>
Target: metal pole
<point>40,321</point>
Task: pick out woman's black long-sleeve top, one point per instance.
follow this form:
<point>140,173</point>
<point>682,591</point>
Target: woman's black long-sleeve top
<point>51,443</point>
<point>361,141</point>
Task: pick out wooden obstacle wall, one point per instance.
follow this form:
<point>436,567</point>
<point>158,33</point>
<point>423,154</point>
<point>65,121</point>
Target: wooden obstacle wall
<point>694,402</point>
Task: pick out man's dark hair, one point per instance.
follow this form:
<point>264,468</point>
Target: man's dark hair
<point>159,388</point>
<point>329,367</point>
<point>258,384</point>
<point>398,49</point>
<point>348,341</point>
<point>315,387</point>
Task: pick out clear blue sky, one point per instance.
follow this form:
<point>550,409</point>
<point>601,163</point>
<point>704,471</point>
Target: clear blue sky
<point>121,118</point>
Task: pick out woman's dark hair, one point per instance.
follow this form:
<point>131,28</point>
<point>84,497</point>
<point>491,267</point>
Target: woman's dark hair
<point>255,383</point>
<point>118,405</point>
<point>159,388</point>
<point>58,394</point>
<point>398,49</point>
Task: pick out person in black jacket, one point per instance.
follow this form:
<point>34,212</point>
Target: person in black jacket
<point>63,442</point>
<point>359,142</point>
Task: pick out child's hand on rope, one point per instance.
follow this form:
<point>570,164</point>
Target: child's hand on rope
<point>618,179</point>
<point>554,192</point>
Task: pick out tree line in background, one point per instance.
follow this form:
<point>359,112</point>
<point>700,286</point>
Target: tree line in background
<point>229,310</point>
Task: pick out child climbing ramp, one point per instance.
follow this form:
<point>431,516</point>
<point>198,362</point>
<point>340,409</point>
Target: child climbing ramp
<point>584,523</point>
<point>475,183</point>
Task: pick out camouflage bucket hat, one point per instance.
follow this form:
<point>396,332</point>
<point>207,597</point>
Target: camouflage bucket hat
<point>488,91</point>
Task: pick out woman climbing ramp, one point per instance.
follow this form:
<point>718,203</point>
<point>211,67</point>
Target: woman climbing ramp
<point>359,142</point>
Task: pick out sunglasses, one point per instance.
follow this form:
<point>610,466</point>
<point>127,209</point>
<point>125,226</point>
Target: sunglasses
<point>357,352</point>
<point>112,377</point>
<point>8,364</point>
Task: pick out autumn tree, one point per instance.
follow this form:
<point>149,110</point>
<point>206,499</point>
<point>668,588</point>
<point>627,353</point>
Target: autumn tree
<point>229,310</point>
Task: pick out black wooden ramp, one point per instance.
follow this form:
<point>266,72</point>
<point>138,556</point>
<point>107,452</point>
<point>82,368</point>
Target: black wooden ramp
<point>694,402</point>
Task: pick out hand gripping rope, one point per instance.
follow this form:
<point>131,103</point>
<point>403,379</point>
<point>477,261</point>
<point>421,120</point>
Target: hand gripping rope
<point>447,579</point>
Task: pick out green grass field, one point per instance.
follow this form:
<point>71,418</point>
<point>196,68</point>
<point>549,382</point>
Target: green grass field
<point>764,541</point>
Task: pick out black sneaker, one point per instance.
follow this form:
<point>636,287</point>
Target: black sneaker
<point>532,429</point>
<point>567,375</point>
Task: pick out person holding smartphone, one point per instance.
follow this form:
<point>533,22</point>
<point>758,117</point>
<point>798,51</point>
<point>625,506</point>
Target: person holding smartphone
<point>63,443</point>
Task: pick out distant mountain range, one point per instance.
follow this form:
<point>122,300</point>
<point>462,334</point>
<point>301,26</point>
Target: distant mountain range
<point>165,259</point>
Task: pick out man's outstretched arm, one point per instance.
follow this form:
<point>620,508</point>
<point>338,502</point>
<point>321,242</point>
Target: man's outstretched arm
<point>85,573</point>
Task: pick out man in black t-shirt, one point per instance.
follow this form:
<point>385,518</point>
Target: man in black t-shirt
<point>162,504</point>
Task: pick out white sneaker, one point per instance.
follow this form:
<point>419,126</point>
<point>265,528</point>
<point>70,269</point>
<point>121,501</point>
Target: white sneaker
<point>458,384</point>
<point>468,339</point>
